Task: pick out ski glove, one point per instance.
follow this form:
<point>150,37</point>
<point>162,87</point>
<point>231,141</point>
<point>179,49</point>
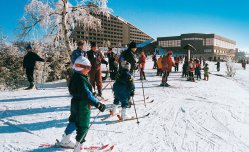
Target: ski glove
<point>101,106</point>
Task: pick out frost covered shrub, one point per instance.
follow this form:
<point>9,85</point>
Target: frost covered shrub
<point>12,74</point>
<point>230,68</point>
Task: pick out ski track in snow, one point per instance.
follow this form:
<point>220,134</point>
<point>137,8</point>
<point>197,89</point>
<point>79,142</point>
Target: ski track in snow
<point>204,116</point>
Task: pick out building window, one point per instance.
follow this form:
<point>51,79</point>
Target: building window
<point>170,43</point>
<point>209,42</point>
<point>208,50</point>
<point>192,38</point>
<point>224,44</point>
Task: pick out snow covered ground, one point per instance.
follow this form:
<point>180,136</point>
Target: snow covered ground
<point>204,116</point>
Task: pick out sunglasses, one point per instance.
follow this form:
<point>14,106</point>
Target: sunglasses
<point>82,66</point>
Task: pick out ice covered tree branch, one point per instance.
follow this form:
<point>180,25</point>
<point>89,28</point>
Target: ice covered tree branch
<point>55,21</point>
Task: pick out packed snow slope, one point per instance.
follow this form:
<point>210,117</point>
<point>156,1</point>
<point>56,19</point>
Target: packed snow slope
<point>201,116</point>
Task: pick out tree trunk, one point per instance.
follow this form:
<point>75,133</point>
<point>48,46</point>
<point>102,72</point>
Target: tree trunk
<point>64,26</point>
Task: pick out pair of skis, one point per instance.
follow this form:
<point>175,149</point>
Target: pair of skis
<point>104,148</point>
<point>129,119</point>
<point>119,118</point>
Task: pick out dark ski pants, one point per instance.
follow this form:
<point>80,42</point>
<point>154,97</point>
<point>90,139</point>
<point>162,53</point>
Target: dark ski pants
<point>121,94</point>
<point>155,65</point>
<point>142,74</point>
<point>79,119</point>
<point>159,72</point>
<point>30,75</point>
<point>176,67</point>
<point>191,76</point>
<point>113,73</point>
<point>165,76</point>
<point>184,73</point>
<point>96,78</point>
<point>198,75</point>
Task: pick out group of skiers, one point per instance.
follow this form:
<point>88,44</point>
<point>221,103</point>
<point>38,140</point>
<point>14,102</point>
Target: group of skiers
<point>85,75</point>
<point>190,69</point>
<point>193,68</point>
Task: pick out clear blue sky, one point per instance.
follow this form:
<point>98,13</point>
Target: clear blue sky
<point>164,18</point>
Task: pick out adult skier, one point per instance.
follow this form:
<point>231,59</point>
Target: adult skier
<point>154,59</point>
<point>113,63</point>
<point>129,56</point>
<point>177,60</point>
<point>159,66</point>
<point>79,51</point>
<point>218,65</point>
<point>167,63</point>
<point>142,61</point>
<point>96,58</point>
<point>29,62</point>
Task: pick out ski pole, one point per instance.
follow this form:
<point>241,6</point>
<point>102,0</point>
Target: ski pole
<point>143,92</point>
<point>86,131</point>
<point>135,110</point>
<point>110,80</point>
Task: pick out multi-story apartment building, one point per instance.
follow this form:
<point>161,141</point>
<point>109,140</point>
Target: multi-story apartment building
<point>209,46</point>
<point>115,32</point>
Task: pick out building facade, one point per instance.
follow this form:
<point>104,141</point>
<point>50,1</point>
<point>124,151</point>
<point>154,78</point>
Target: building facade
<point>209,46</point>
<point>115,32</point>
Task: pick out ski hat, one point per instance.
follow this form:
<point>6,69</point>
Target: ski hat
<point>28,47</point>
<point>80,42</point>
<point>133,45</point>
<point>93,44</point>
<point>81,63</point>
<point>170,53</point>
<point>126,65</point>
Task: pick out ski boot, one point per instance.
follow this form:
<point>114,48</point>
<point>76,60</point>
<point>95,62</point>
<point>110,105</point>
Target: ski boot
<point>31,86</point>
<point>124,115</point>
<point>67,142</point>
<point>78,147</point>
<point>114,111</point>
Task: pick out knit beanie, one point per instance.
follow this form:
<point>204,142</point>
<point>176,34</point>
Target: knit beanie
<point>81,63</point>
<point>28,47</point>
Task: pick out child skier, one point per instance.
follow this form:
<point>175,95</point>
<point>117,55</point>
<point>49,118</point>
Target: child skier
<point>206,69</point>
<point>82,99</point>
<point>185,69</point>
<point>123,89</point>
<point>198,69</point>
<point>191,68</point>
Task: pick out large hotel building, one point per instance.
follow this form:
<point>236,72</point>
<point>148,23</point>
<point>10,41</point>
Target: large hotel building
<point>115,31</point>
<point>209,46</point>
